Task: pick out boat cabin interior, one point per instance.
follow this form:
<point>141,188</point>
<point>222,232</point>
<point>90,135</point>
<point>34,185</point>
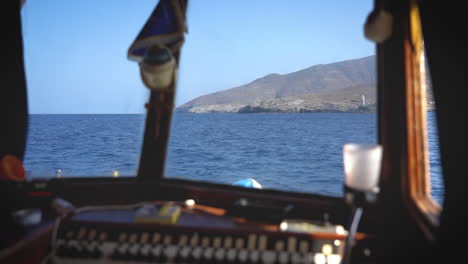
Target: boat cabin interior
<point>153,219</point>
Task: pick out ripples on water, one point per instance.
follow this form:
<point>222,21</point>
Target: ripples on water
<point>292,152</point>
<point>83,145</point>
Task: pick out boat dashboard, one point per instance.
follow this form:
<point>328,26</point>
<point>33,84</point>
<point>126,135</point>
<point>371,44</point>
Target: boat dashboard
<point>168,232</point>
<point>229,225</point>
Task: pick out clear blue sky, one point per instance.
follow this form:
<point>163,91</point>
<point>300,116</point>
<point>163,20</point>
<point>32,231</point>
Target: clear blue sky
<point>75,51</point>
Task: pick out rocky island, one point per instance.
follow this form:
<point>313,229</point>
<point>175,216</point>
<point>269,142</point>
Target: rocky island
<point>345,86</point>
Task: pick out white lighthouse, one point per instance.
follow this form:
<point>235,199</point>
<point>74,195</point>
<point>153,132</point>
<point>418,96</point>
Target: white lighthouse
<point>363,100</point>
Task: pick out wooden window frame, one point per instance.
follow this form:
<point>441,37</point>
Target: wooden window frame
<point>416,186</point>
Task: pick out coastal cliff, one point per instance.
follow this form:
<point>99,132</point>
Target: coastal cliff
<point>345,86</point>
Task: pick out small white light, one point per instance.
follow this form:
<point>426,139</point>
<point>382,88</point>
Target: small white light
<point>115,174</point>
<point>320,259</point>
<point>367,252</point>
<point>334,259</point>
<point>327,249</point>
<point>190,203</point>
<point>337,243</point>
<point>340,230</point>
<point>283,226</point>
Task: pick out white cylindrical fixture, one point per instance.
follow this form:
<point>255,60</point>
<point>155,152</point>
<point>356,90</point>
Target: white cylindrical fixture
<point>362,163</point>
<point>158,67</point>
<point>158,76</point>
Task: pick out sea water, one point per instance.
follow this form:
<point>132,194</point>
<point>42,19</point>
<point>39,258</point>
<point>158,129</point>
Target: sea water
<point>291,152</point>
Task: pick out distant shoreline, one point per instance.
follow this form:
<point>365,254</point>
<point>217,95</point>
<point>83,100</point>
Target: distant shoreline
<point>264,112</point>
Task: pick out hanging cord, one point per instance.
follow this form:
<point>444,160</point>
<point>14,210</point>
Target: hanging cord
<point>48,258</point>
<point>351,234</point>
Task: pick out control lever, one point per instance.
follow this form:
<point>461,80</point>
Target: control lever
<point>62,207</point>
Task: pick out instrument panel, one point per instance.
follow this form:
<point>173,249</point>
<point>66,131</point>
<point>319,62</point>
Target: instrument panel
<point>110,236</point>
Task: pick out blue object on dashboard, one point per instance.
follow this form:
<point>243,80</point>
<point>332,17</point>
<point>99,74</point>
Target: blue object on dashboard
<point>249,183</point>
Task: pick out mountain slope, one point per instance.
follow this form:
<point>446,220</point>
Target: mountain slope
<point>337,84</point>
<point>314,79</point>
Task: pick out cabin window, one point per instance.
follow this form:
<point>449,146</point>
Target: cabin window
<point>86,98</point>
<point>436,179</point>
<point>424,184</point>
<point>272,91</point>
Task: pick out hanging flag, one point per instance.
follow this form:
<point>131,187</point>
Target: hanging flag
<point>166,26</point>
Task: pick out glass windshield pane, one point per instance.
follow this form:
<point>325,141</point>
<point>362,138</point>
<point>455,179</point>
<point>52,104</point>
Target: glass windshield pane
<point>437,184</point>
<point>86,98</point>
<point>272,91</point>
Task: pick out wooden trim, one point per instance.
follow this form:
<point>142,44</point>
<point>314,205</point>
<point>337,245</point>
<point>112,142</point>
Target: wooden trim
<point>156,138</point>
<point>102,191</point>
<point>30,248</point>
<point>400,228</point>
<point>308,206</point>
<point>158,123</point>
<point>416,184</point>
<point>391,110</point>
